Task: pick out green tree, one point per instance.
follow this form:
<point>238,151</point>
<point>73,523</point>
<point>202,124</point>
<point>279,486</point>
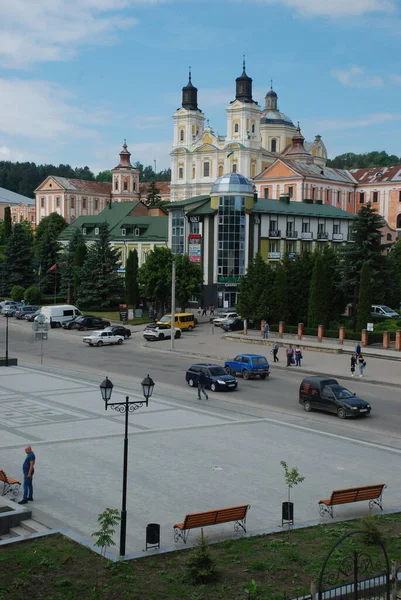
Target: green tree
<point>131,279</point>
<point>298,271</point>
<point>319,295</point>
<point>154,277</point>
<point>100,284</point>
<point>105,176</point>
<point>79,259</point>
<point>17,267</point>
<point>393,288</point>
<point>280,299</point>
<point>361,161</point>
<point>17,293</point>
<point>33,295</point>
<point>255,291</point>
<point>365,298</point>
<point>47,255</point>
<point>7,223</point>
<point>67,265</point>
<point>153,196</point>
<point>188,280</point>
<point>54,222</point>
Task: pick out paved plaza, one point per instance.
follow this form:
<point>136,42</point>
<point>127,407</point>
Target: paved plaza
<point>184,456</point>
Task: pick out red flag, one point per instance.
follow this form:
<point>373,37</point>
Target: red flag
<point>53,267</point>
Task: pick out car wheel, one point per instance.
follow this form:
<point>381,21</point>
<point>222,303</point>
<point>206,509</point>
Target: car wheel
<point>161,336</point>
<point>307,406</point>
<point>246,374</point>
<point>90,344</point>
<point>126,336</point>
<point>119,342</point>
<point>100,343</point>
<point>213,387</point>
<point>342,413</point>
<point>191,382</point>
<point>177,334</point>
<point>263,376</point>
<point>229,371</point>
<point>58,324</point>
<point>190,328</point>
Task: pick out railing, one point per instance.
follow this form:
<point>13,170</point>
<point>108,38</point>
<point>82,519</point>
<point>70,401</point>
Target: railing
<point>274,255</point>
<point>275,233</point>
<point>291,234</point>
<point>306,235</point>
<point>323,235</point>
<point>338,237</point>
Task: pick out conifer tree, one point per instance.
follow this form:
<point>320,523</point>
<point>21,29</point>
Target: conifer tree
<point>17,266</point>
<point>79,258</point>
<point>7,223</point>
<point>280,298</point>
<point>153,196</point>
<point>255,291</point>
<point>131,279</point>
<point>67,265</point>
<point>365,298</point>
<point>318,296</point>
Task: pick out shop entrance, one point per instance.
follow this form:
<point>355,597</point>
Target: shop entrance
<point>230,299</point>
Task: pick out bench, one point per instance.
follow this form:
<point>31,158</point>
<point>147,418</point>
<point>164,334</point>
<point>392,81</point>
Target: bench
<point>211,517</point>
<point>372,493</point>
<point>9,484</point>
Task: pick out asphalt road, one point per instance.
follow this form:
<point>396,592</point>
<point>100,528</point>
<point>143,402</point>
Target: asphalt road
<point>279,393</point>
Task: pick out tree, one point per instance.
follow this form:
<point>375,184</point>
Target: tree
<point>33,295</point>
<point>280,300</point>
<point>104,176</point>
<point>79,259</point>
<point>255,290</point>
<point>319,295</point>
<point>47,255</point>
<point>189,280</point>
<point>131,279</point>
<point>298,272</point>
<point>67,265</point>
<point>361,161</point>
<point>7,223</point>
<point>365,298</point>
<point>17,293</point>
<point>154,277</point>
<point>17,267</point>
<point>54,222</point>
<point>100,284</point>
<point>393,288</point>
<point>153,196</point>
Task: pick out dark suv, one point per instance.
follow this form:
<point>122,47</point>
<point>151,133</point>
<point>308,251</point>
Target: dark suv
<point>84,322</point>
<point>216,377</point>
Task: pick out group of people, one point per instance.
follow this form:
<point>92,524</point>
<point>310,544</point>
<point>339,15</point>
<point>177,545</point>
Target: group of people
<point>202,310</point>
<point>294,355</point>
<point>357,360</point>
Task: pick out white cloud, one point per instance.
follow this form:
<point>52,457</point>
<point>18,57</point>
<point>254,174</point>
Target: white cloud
<point>368,121</point>
<point>357,77</point>
<point>335,8</point>
<point>7,153</point>
<point>148,122</point>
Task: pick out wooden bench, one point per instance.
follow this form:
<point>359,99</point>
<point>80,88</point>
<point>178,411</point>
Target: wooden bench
<point>211,517</point>
<point>9,484</point>
<point>372,493</point>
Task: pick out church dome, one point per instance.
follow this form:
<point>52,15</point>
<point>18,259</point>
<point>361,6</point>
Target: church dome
<point>275,117</point>
<point>271,94</point>
<point>232,183</point>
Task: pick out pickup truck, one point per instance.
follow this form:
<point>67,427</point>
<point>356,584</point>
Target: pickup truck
<point>248,365</point>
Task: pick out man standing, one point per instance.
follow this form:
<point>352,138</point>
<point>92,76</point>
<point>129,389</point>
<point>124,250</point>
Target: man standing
<point>266,331</point>
<point>290,355</point>
<point>358,349</point>
<point>28,471</point>
<point>275,351</point>
<point>201,385</point>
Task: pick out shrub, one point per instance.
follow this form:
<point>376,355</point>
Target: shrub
<point>371,534</point>
<point>33,295</point>
<point>17,293</point>
<point>200,565</point>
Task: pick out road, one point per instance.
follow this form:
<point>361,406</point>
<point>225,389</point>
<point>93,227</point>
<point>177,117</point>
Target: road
<point>279,393</point>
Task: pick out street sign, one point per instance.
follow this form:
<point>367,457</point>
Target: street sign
<point>41,335</point>
<point>40,319</point>
<point>369,327</point>
<point>123,312</point>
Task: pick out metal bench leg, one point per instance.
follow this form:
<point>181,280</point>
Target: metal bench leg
<point>377,501</point>
<point>324,508</point>
<point>240,524</point>
<point>181,533</point>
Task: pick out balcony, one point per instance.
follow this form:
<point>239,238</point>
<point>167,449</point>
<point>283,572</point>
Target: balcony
<point>274,255</point>
<point>274,233</point>
<point>306,235</point>
<point>291,234</point>
<point>338,237</point>
<point>322,235</point>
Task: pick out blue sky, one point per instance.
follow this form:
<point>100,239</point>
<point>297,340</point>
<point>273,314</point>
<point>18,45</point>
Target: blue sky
<point>78,76</point>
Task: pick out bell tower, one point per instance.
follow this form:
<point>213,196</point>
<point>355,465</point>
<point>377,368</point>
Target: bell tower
<point>125,179</point>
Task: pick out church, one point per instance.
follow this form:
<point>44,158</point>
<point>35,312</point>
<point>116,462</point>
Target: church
<point>255,138</point>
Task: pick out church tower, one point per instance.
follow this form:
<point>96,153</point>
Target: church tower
<point>125,179</point>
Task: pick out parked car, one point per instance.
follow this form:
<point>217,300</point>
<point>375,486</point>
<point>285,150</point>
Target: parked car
<point>9,308</point>
<point>32,316</point>
<point>84,322</point>
<point>322,393</point>
<point>25,310</point>
<point>248,365</point>
<point>221,311</point>
<point>119,330</point>
<point>236,324</point>
<point>184,321</point>
<point>159,332</point>
<point>382,311</point>
<point>100,338</point>
<point>218,321</point>
<point>216,377</point>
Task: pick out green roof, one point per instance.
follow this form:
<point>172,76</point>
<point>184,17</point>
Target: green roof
<point>184,203</point>
<point>204,209</point>
<point>300,208</point>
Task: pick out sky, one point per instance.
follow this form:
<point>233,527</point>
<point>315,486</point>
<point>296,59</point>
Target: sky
<point>79,76</point>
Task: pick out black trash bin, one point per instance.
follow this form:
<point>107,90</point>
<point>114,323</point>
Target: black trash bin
<point>287,514</point>
<point>152,535</point>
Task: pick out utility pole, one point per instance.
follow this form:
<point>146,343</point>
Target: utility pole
<point>155,168</point>
<point>172,305</point>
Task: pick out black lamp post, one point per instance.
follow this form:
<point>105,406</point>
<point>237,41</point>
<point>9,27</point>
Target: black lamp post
<point>106,388</point>
<point>7,339</point>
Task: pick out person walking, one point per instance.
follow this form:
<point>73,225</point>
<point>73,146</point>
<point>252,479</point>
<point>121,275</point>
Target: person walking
<point>266,331</point>
<point>212,310</point>
<point>199,311</point>
<point>290,355</point>
<point>298,356</point>
<point>204,311</point>
<point>358,349</point>
<point>353,364</point>
<point>28,471</point>
<point>201,385</point>
<point>275,352</point>
<point>361,365</point>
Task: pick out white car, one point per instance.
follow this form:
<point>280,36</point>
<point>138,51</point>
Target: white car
<point>100,338</point>
<point>224,317</point>
<point>159,332</point>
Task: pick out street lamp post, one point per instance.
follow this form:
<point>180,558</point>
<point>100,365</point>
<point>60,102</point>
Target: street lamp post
<point>7,339</point>
<point>125,407</point>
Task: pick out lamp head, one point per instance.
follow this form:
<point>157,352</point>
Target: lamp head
<point>147,387</point>
<point>106,388</point>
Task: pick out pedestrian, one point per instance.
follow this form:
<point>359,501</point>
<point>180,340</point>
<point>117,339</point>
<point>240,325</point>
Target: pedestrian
<point>275,352</point>
<point>155,316</point>
<point>361,364</point>
<point>204,311</point>
<point>358,349</point>
<point>298,356</point>
<point>266,331</point>
<point>353,364</point>
<point>201,385</point>
<point>28,471</point>
<point>290,355</point>
<point>199,311</point>
<point>212,310</point>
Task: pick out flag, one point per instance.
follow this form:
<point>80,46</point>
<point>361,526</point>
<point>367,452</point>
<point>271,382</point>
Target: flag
<point>53,267</point>
<point>228,155</point>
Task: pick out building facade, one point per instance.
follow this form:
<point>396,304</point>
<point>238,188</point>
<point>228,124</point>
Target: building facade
<point>22,208</point>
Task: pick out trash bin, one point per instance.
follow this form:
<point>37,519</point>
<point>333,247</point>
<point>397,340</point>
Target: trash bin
<point>152,535</point>
<point>287,514</point>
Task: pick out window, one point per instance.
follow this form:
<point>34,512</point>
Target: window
<point>221,171</point>
<point>349,197</point>
<point>234,167</point>
<point>96,204</point>
<point>327,195</point>
<point>290,191</point>
<point>305,227</point>
<point>123,232</point>
<point>266,193</point>
<point>116,184</point>
<point>180,172</point>
<point>136,231</point>
<point>313,192</point>
<point>273,247</point>
<point>14,218</point>
<point>236,128</point>
<point>72,201</point>
<point>32,218</point>
<point>125,186</point>
<point>273,225</point>
<point>389,237</point>
<point>96,230</point>
<point>290,226</point>
<point>338,196</point>
<point>375,196</point>
<point>134,186</point>
<point>362,197</point>
<point>193,172</point>
<point>273,145</point>
<point>290,247</point>
<point>336,228</point>
<point>58,202</point>
<point>83,203</point>
<point>399,196</point>
<point>206,169</point>
<point>181,135</point>
<point>253,128</point>
<point>42,202</point>
<point>320,228</point>
<point>83,230</point>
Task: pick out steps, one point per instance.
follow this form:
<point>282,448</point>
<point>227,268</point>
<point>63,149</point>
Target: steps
<point>24,529</point>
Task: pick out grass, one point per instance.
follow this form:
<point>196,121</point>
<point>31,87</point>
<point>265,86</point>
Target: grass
<point>115,316</point>
<point>55,568</point>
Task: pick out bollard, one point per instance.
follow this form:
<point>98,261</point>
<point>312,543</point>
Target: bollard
<point>320,333</point>
<point>300,330</point>
<point>398,339</point>
<point>245,326</point>
<point>364,338</point>
<point>281,326</point>
<point>341,335</point>
<point>386,340</point>
<point>262,324</point>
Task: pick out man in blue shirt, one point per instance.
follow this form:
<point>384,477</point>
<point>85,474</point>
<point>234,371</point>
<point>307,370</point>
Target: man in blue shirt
<point>28,471</point>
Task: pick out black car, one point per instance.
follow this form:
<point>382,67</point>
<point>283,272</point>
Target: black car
<point>84,322</point>
<point>216,377</point>
<point>120,330</point>
<point>322,393</point>
<point>236,324</point>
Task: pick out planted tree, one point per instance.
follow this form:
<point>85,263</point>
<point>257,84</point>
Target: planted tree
<point>255,290</point>
<point>107,520</point>
<point>17,293</point>
<point>153,196</point>
<point>200,565</point>
<point>189,280</point>
<point>319,295</point>
<point>280,299</point>
<point>67,265</point>
<point>131,279</point>
<point>79,258</point>
<point>364,307</point>
<point>7,224</point>
<point>47,255</point>
<point>17,266</point>
<point>54,222</point>
<point>292,478</point>
<point>32,295</point>
<point>154,277</point>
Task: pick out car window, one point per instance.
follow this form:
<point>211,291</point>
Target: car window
<point>327,392</point>
<point>195,369</point>
<point>259,360</point>
<point>342,393</point>
<point>238,358</point>
<point>165,319</point>
<point>245,360</point>
<point>214,371</point>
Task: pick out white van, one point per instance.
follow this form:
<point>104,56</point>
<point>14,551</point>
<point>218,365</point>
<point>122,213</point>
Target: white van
<point>59,313</point>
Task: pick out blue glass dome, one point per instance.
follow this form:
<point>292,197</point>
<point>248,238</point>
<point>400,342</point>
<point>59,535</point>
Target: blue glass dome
<point>232,183</point>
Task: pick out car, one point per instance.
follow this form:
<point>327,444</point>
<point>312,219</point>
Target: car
<point>101,338</point>
<point>327,395</point>
<point>9,308</point>
<point>84,322</point>
<point>119,330</point>
<point>221,311</point>
<point>218,321</point>
<point>236,324</point>
<point>248,365</point>
<point>159,332</point>
<point>216,377</point>
<point>32,316</point>
<point>25,310</point>
<point>384,312</point>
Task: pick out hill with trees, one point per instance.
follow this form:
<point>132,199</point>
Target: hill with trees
<point>364,161</point>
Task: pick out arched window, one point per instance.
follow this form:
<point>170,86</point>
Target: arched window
<point>273,146</point>
<point>253,128</point>
<point>193,172</point>
<point>236,128</point>
<point>181,135</point>
<point>399,221</point>
<point>221,170</point>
